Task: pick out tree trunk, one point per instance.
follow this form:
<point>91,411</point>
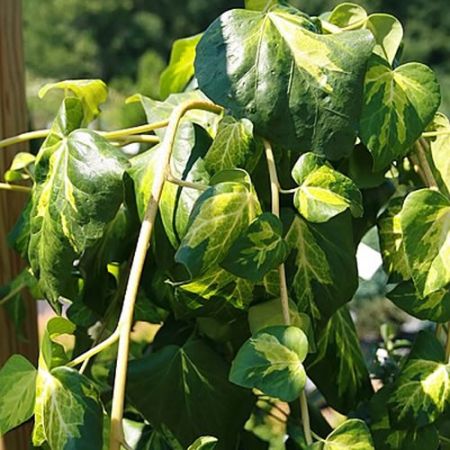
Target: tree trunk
<point>13,120</point>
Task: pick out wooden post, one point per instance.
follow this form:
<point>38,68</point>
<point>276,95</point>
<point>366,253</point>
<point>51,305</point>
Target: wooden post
<point>13,120</point>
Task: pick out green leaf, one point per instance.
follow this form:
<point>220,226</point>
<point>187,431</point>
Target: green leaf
<point>53,353</point>
<point>347,14</point>
<point>427,346</point>
<point>440,146</point>
<point>320,254</point>
<point>435,307</point>
<point>297,87</point>
<point>352,434</point>
<point>324,193</point>
<point>261,5</point>
<point>78,191</point>
<point>271,361</point>
<point>17,392</point>
<point>338,369</point>
<point>92,93</point>
<point>391,242</point>
<point>187,164</point>
<point>269,314</point>
<point>180,70</point>
<point>71,415</point>
<point>192,379</point>
<point>425,219</point>
<point>260,249</point>
<point>387,437</point>
<point>421,393</point>
<point>220,215</point>
<point>388,33</point>
<point>204,443</point>
<point>218,284</point>
<point>398,106</point>
<point>232,147</point>
<point>360,169</point>
<point>22,167</point>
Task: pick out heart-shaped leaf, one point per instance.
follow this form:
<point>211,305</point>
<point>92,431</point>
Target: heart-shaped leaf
<point>425,222</point>
<point>220,215</point>
<point>66,217</point>
<point>388,33</point>
<point>323,192</point>
<point>271,361</point>
<point>398,106</point>
<point>181,66</point>
<point>261,65</point>
<point>260,249</point>
<point>421,393</point>
<point>347,15</point>
<point>17,392</point>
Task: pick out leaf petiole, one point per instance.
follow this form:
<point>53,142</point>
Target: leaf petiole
<point>15,188</point>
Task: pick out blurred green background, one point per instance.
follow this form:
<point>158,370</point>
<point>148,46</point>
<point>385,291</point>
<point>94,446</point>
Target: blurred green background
<point>127,43</point>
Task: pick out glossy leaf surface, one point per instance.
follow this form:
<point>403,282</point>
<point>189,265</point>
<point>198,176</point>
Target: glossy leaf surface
<point>271,361</point>
<point>262,64</point>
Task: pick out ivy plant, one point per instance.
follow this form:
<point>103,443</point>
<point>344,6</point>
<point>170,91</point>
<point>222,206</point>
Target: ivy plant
<point>231,226</point>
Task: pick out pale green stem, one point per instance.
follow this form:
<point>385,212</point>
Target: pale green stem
<point>126,317</point>
<point>24,137</point>
<point>430,134</point>
<point>15,188</point>
<point>284,299</point>
<point>113,135</point>
<point>187,184</point>
<point>140,139</point>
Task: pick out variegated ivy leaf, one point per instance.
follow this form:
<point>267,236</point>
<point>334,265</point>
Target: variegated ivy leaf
<point>180,70</point>
<point>22,167</point>
<point>338,368</point>
<point>386,29</point>
<point>78,190</point>
<point>220,215</point>
<point>421,393</point>
<point>71,415</point>
<point>398,106</point>
<point>352,434</point>
<point>261,5</point>
<point>294,84</point>
<point>218,284</point>
<point>232,147</point>
<point>187,163</point>
<point>324,192</point>
<point>91,93</point>
<point>204,443</point>
<point>320,255</point>
<point>435,307</point>
<point>271,361</point>
<point>17,392</point>
<point>425,222</point>
<point>260,249</point>
<point>440,147</point>
<point>348,14</point>
<point>391,242</point>
<point>388,33</point>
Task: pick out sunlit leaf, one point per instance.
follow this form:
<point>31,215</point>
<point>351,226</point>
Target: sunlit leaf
<point>17,392</point>
<point>180,70</point>
<point>398,106</point>
<point>348,14</point>
<point>352,434</point>
<point>220,215</point>
<point>21,168</point>
<point>425,222</point>
<point>78,191</point>
<point>91,93</point>
<point>421,393</point>
<point>388,33</point>
<point>271,361</point>
<point>232,147</point>
<point>324,192</point>
<point>204,443</point>
<point>294,84</point>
